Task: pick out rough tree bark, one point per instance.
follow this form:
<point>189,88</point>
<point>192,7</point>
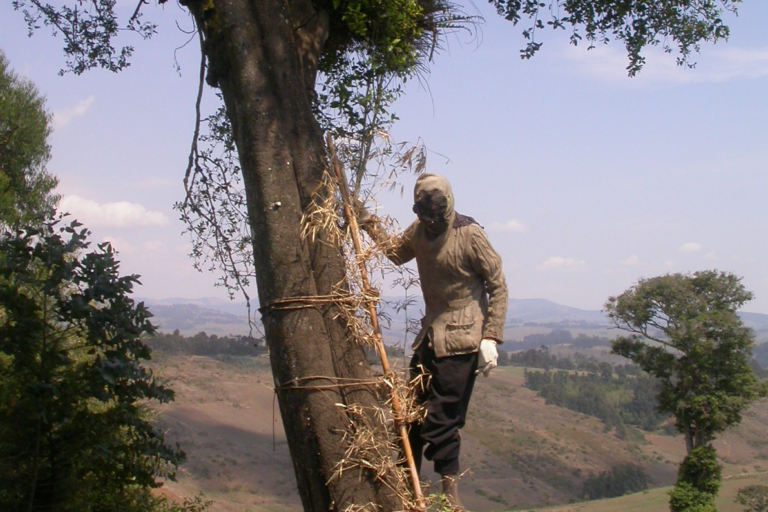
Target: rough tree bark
<point>263,55</point>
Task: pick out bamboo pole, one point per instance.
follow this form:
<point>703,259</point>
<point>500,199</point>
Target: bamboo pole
<point>397,410</point>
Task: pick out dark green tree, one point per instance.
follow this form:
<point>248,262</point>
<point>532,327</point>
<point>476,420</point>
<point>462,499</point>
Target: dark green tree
<point>74,428</point>
<point>265,57</point>
<point>684,330</point>
<point>25,185</point>
<point>618,481</point>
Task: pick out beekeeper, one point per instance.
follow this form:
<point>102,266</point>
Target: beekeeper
<point>465,298</point>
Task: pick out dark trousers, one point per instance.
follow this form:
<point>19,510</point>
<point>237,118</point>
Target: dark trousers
<point>447,398</point>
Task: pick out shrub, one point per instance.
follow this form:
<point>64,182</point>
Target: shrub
<point>754,498</point>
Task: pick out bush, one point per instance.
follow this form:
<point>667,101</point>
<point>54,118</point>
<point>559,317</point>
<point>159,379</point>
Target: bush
<point>698,481</point>
<point>701,470</point>
<point>754,498</point>
<point>686,498</point>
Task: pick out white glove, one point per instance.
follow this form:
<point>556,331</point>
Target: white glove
<point>488,357</point>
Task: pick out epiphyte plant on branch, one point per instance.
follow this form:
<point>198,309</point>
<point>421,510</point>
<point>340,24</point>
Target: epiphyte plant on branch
<point>266,57</point>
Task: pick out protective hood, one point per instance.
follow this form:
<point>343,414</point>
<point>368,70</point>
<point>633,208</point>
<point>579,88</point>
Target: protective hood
<point>435,188</point>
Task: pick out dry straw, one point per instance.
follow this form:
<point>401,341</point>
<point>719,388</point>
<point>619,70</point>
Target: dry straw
<point>373,443</point>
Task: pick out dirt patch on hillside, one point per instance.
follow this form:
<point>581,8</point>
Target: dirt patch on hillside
<point>223,419</point>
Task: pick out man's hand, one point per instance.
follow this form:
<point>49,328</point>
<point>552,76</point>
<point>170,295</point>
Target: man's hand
<point>488,357</point>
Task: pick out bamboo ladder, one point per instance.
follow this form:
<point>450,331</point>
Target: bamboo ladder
<point>396,408</point>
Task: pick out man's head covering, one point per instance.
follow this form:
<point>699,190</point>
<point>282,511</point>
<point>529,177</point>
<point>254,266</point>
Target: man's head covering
<point>435,189</point>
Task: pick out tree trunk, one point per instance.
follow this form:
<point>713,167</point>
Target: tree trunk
<point>265,67</point>
<point>699,439</point>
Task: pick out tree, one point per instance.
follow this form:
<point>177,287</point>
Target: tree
<point>265,56</point>
<point>685,331</point>
<point>74,430</point>
<point>25,185</point>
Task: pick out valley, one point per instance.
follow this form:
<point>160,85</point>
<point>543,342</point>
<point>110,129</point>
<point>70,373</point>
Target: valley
<point>519,452</point>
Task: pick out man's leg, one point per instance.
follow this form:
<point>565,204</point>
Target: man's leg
<point>451,385</point>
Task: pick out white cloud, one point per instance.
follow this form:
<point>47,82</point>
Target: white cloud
<point>557,262</point>
<point>62,118</point>
<point>713,65</point>
<point>632,260</point>
<point>711,255</point>
<point>690,247</point>
<point>513,225</point>
<point>117,215</point>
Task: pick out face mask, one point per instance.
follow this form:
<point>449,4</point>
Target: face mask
<point>431,208</point>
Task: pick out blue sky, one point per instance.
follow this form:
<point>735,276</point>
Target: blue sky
<point>585,180</point>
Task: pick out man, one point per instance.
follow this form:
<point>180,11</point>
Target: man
<point>465,295</point>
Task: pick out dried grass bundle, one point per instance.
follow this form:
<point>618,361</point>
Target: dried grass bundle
<point>322,215</point>
<point>372,447</point>
<point>372,443</point>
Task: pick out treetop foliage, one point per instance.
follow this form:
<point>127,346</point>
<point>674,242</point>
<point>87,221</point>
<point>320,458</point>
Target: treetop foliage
<point>25,185</point>
<point>395,34</point>
<point>681,23</point>
<point>685,331</point>
<point>88,28</point>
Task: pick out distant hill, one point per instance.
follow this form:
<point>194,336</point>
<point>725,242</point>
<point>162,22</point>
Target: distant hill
<point>756,321</point>
<point>222,316</point>
<point>232,307</point>
<point>191,318</point>
<point>543,311</point>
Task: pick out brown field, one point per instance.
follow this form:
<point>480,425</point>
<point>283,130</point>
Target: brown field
<point>519,452</point>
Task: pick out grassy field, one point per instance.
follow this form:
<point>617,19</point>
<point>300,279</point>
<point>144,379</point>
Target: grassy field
<point>657,500</point>
<point>653,500</point>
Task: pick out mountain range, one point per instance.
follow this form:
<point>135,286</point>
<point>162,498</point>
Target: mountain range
<point>220,316</point>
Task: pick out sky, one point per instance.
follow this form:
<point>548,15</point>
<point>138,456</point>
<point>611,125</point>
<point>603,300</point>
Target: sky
<point>584,179</point>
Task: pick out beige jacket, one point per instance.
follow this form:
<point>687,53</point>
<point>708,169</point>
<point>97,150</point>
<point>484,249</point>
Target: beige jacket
<point>464,289</point>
